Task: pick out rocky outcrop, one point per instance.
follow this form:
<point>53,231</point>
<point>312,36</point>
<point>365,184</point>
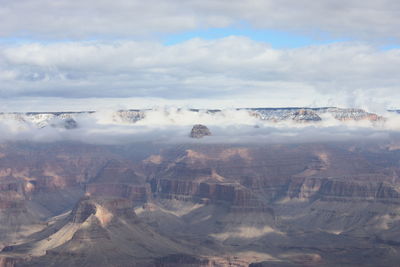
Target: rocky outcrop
<point>199,131</point>
<point>304,115</point>
<point>83,211</point>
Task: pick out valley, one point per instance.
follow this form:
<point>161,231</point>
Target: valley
<point>69,204</point>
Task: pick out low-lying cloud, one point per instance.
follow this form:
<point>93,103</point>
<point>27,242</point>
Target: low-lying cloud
<point>173,125</point>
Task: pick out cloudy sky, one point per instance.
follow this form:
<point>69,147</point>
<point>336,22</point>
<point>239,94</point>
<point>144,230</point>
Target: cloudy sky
<point>94,54</point>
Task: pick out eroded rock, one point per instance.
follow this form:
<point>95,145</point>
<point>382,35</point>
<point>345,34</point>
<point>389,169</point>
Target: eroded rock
<point>199,131</point>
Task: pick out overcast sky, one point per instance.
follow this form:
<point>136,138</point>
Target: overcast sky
<point>93,54</point>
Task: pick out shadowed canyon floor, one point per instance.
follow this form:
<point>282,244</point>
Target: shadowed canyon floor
<point>72,204</point>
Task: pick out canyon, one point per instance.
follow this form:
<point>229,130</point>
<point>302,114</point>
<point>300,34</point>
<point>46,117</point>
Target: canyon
<point>309,204</point>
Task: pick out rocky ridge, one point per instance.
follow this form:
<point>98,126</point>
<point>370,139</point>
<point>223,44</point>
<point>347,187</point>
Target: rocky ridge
<point>70,120</point>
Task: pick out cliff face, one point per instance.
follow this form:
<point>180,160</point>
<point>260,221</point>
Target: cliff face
<point>311,188</point>
<point>272,173</point>
<point>136,193</point>
<point>236,196</point>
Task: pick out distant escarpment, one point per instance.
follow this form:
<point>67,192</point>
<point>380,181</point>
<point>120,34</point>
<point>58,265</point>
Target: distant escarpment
<point>73,120</point>
<point>314,114</point>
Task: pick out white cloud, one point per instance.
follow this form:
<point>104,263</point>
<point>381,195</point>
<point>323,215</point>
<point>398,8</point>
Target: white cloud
<point>233,70</point>
<point>172,125</point>
<point>227,72</point>
<point>369,19</point>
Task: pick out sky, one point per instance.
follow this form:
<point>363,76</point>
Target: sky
<point>59,55</point>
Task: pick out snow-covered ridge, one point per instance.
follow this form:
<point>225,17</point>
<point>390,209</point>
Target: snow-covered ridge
<point>314,114</point>
<point>70,120</point>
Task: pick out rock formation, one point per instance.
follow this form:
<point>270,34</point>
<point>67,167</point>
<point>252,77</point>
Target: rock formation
<point>304,115</point>
<point>71,120</point>
<point>199,131</point>
<point>200,205</point>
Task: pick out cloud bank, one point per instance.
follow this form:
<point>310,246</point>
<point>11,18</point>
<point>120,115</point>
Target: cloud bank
<point>91,54</point>
<point>368,19</point>
<point>232,70</point>
<point>173,125</point>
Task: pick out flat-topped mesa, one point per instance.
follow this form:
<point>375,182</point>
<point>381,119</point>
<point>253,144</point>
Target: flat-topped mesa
<point>66,120</point>
<point>312,114</point>
<point>345,114</point>
<point>199,131</point>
